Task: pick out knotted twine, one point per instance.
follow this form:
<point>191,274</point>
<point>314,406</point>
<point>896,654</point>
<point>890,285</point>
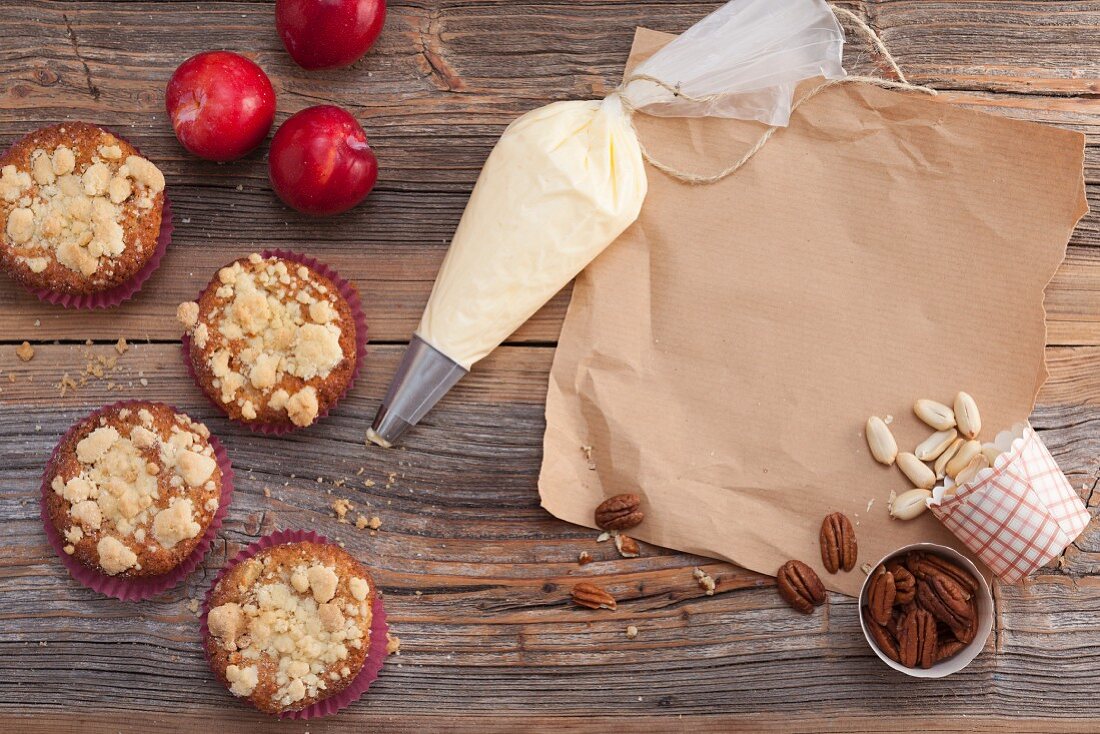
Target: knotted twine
<point>687,177</point>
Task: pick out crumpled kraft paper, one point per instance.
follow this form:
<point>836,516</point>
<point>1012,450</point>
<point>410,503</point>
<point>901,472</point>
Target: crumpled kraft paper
<point>722,356</point>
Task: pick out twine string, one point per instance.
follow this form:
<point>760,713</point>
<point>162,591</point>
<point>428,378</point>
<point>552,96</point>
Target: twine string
<point>688,177</point>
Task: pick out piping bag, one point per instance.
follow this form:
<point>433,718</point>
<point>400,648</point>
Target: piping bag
<point>566,179</point>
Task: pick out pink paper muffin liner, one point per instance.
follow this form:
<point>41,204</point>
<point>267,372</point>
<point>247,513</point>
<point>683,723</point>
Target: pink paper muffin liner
<point>349,293</point>
<point>136,589</point>
<point>376,652</point>
<point>127,289</point>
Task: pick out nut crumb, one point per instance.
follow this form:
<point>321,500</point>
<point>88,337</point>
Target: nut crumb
<point>706,583</point>
<point>121,346</point>
<point>341,507</point>
<point>267,491</point>
<point>193,605</point>
<point>631,632</point>
<point>584,558</point>
<point>603,537</point>
<point>375,522</point>
<point>866,568</point>
<point>393,644</point>
<point>588,457</point>
<point>627,546</point>
<point>25,352</point>
<point>361,522</point>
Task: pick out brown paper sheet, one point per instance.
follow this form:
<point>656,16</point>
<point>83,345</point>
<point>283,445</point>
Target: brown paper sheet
<point>723,355</point>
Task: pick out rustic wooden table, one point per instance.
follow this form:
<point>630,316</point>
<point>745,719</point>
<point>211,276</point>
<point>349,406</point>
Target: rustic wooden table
<point>475,574</point>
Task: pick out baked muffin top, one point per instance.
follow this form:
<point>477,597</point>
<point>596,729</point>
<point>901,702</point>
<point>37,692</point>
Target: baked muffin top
<point>80,209</point>
<point>272,341</point>
<point>134,489</point>
<point>291,625</point>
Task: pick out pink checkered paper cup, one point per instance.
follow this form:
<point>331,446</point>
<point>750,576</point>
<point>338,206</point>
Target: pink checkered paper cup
<point>1017,515</point>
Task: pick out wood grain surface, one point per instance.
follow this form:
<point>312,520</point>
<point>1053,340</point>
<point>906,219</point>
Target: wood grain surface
<point>475,574</point>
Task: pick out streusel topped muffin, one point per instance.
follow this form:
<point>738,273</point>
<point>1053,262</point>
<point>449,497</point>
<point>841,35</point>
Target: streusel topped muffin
<point>273,341</point>
<point>290,626</point>
<point>80,209</point>
<point>134,489</point>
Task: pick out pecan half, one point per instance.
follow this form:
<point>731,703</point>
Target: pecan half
<point>880,596</point>
<point>883,638</point>
<point>838,543</point>
<point>967,633</point>
<point>800,586</point>
<point>904,582</point>
<point>589,595</point>
<point>924,564</point>
<point>917,642</point>
<point>620,512</point>
<point>895,619</point>
<point>947,601</point>
<point>948,648</point>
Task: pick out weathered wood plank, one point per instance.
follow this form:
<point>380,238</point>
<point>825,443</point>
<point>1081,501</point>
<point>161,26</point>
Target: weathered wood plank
<point>642,722</point>
<point>431,139</point>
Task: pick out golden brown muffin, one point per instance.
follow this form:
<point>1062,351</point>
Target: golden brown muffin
<point>80,209</point>
<point>290,626</point>
<point>272,341</point>
<point>134,489</point>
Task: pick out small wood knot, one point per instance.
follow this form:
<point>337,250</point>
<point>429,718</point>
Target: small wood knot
<point>20,90</point>
<point>46,77</point>
<point>549,587</point>
<point>148,99</point>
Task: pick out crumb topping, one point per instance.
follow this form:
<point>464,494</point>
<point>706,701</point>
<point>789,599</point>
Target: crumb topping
<point>299,619</point>
<point>116,490</point>
<point>115,557</point>
<point>72,212</point>
<point>273,320</point>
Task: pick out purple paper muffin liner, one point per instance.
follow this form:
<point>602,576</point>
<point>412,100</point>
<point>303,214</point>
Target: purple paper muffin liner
<point>136,589</point>
<point>376,651</point>
<point>349,293</point>
<point>127,289</point>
